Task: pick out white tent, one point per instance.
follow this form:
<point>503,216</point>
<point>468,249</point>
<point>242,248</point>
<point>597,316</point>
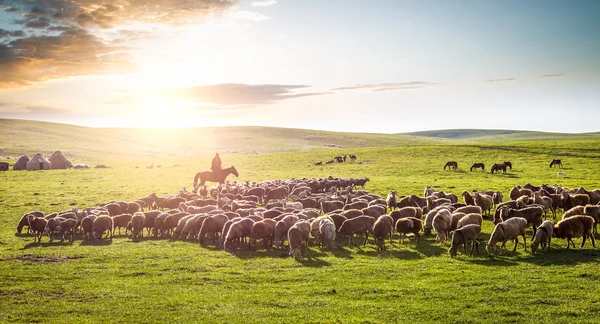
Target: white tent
<point>38,162</point>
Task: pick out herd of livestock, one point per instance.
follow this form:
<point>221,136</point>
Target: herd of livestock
<point>331,211</point>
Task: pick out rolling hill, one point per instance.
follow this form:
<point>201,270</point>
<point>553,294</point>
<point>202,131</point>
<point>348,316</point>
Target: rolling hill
<point>496,135</point>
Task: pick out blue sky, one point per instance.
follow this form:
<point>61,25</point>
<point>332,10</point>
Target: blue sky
<point>368,66</point>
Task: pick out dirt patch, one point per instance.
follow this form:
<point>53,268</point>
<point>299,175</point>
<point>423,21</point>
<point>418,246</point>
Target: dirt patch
<point>44,259</point>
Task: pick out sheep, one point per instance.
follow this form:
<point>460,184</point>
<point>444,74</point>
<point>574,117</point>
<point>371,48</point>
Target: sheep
<point>543,237</point>
<point>546,202</point>
<point>381,229</point>
<point>428,191</point>
<point>338,220</point>
<point>484,201</point>
<point>298,238</point>
<point>469,209</point>
<point>576,226</point>
<point>137,223</point>
<point>170,223</point>
<point>511,204</point>
<point>404,212</point>
<point>374,211</point>
<point>212,225</point>
<point>86,226</point>
<point>468,198</point>
<point>392,199</point>
<point>431,215</point>
<point>569,201</point>
<point>594,212</point>
<point>51,226</point>
<point>360,224</point>
<point>314,228</point>
<point>432,203</point>
<point>25,220</point>
<point>329,206</point>
<point>275,194</point>
<point>408,225</point>
<point>351,213</point>
<point>464,235</point>
<point>509,229</point>
<point>37,226</point>
<point>121,221</point>
<point>237,230</point>
<point>181,224</point>
<point>533,215</point>
<point>310,213</point>
<point>418,201</point>
<point>577,210</point>
<point>327,232</point>
<point>472,218</point>
<point>356,205</point>
<point>67,227</point>
<point>226,226</point>
<point>100,225</point>
<point>264,229</point>
<point>158,221</point>
<point>524,200</point>
<point>497,197</point>
<point>442,223</point>
<point>193,226</point>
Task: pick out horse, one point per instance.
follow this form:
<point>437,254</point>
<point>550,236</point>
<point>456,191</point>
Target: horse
<point>498,167</point>
<point>213,176</point>
<point>352,157</point>
<point>556,162</point>
<point>451,164</point>
<point>478,165</point>
<point>508,164</point>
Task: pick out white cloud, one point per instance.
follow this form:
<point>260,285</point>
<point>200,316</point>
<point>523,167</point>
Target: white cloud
<point>263,3</point>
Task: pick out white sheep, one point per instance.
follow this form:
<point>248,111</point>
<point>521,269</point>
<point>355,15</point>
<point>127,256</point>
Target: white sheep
<point>509,229</point>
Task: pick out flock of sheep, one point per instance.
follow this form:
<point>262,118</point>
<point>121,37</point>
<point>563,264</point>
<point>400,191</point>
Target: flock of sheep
<point>330,210</point>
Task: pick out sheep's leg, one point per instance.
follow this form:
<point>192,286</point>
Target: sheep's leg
<point>465,247</point>
<point>366,238</point>
<point>525,242</point>
<point>516,243</point>
<point>593,240</point>
<point>568,242</point>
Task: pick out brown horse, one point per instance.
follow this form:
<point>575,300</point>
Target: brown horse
<point>556,162</point>
<point>478,166</point>
<point>213,176</point>
<point>451,165</point>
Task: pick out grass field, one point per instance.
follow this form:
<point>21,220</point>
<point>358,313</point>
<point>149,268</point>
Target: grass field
<point>158,280</point>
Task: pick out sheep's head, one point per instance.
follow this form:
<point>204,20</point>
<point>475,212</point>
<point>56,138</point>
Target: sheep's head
<point>452,251</point>
<point>490,249</point>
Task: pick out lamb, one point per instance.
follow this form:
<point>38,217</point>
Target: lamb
<point>409,225</point>
<point>392,199</point>
<point>212,225</point>
<point>576,226</point>
<point>265,230</point>
<point>298,237</point>
<point>121,221</point>
<point>484,201</point>
<point>442,223</point>
<point>464,235</point>
<point>86,226</point>
<point>381,229</point>
<point>138,221</point>
<point>37,226</point>
<point>329,206</point>
<point>327,232</point>
<point>594,212</point>
<point>472,218</point>
<point>509,229</point>
<point>577,210</point>
<point>100,225</point>
<point>360,224</point>
<point>67,227</point>
<point>543,237</point>
<point>533,215</point>
<point>237,230</point>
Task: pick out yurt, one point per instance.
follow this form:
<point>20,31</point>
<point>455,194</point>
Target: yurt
<point>21,163</point>
<point>38,162</point>
<point>59,161</point>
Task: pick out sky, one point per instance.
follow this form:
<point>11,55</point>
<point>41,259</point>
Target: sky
<point>361,66</point>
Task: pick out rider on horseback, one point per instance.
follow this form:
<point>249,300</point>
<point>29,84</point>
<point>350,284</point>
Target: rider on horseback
<point>216,163</point>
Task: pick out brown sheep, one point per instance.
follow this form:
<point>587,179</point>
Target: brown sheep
<point>194,225</point>
<point>170,223</point>
<point>418,201</point>
<point>431,215</point>
<point>404,202</point>
<point>468,198</point>
<point>409,225</point>
<point>158,221</point>
<point>456,217</point>
<point>442,223</point>
<point>280,192</point>
<point>546,202</point>
<point>569,201</point>
<point>37,226</point>
<point>327,232</point>
<point>86,226</point>
<point>121,221</point>
<point>358,225</point>
<point>100,225</point>
<point>594,212</point>
<point>238,230</point>
<point>329,206</point>
<point>469,210</point>
<point>351,213</point>
<point>464,235</point>
<point>314,228</point>
<point>543,237</point>
<point>25,222</point>
<point>356,205</point>
<point>114,209</point>
<point>533,215</point>
<point>510,229</point>
<point>67,227</point>
<point>212,225</point>
<point>138,221</point>
<point>472,218</point>
<point>511,204</point>
<point>573,227</point>
<point>404,212</point>
<point>226,226</point>
<point>298,238</point>
<point>432,202</point>
<point>524,200</point>
<point>150,218</point>
<point>484,201</point>
<point>51,227</point>
<point>381,229</point>
<point>374,211</point>
<point>263,230</point>
<point>577,210</point>
<point>181,224</point>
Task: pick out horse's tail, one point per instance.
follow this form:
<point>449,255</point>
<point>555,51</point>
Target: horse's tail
<point>471,169</point>
<point>551,163</point>
<point>196,180</point>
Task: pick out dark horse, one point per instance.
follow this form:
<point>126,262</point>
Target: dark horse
<point>556,162</point>
<point>498,168</point>
<point>451,165</point>
<point>478,165</point>
<point>508,164</point>
<point>213,176</point>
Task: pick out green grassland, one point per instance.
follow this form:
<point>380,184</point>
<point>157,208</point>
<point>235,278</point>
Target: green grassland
<point>159,280</point>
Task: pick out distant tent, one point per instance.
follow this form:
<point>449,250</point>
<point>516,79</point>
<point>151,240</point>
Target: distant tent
<point>59,161</point>
<point>38,162</point>
<point>21,163</point>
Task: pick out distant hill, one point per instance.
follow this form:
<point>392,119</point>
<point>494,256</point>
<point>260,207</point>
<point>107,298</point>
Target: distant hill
<point>495,135</point>
<point>18,137</point>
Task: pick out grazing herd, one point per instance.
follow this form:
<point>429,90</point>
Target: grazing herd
<point>497,167</point>
<point>338,159</point>
<point>328,212</point>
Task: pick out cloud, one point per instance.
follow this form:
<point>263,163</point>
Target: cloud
<point>73,52</point>
<point>263,3</point>
<point>501,80</point>
<point>19,111</point>
<point>248,15</point>
<point>391,86</point>
<point>241,94</point>
<point>552,75</point>
<point>15,33</point>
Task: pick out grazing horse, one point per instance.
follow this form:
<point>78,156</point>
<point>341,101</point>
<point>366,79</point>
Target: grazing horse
<point>213,176</point>
<point>508,164</point>
<point>352,157</point>
<point>498,167</point>
<point>556,162</point>
<point>477,166</point>
<point>451,164</point>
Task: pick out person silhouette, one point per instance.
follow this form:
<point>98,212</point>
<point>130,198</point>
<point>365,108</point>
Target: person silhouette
<point>216,163</point>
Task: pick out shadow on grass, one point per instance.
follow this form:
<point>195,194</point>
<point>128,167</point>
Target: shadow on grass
<point>101,242</point>
<point>45,244</point>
